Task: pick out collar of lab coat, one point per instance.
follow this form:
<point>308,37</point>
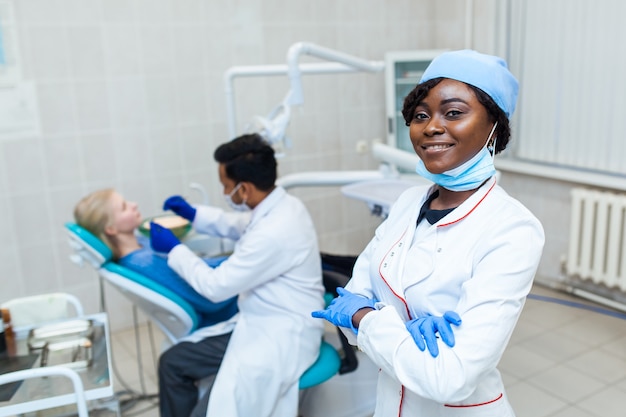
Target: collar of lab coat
<point>266,205</point>
<point>469,205</point>
<point>454,217</point>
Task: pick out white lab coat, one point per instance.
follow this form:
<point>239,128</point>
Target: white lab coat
<point>479,261</point>
<point>276,270</point>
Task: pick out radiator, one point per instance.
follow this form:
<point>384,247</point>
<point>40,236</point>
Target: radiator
<point>597,244</point>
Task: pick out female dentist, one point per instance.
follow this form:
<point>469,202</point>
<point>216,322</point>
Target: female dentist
<point>461,245</point>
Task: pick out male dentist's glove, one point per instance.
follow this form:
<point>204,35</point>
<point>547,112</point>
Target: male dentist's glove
<point>425,329</point>
<point>181,207</point>
<point>162,239</point>
<point>340,311</point>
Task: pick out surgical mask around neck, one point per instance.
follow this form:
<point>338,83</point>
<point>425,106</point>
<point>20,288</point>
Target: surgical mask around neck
<point>229,200</point>
<point>467,176</point>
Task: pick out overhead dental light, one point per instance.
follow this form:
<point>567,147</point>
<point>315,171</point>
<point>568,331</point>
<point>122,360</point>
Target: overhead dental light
<point>273,127</point>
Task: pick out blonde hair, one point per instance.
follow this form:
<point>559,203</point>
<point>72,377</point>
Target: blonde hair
<point>94,213</point>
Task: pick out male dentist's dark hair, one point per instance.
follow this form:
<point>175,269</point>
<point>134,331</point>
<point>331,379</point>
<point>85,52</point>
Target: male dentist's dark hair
<point>248,158</point>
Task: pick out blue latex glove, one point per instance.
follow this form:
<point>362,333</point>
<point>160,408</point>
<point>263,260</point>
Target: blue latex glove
<point>162,239</point>
<point>425,329</point>
<point>340,311</point>
<point>181,207</point>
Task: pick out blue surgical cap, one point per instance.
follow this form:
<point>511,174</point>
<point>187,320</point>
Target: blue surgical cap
<point>487,72</point>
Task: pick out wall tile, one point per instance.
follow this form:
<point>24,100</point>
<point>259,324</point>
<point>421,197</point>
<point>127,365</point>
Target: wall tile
<point>116,11</point>
<point>98,157</point>
<point>189,49</point>
<point>13,284</point>
<point>161,101</point>
<point>121,49</point>
<point>327,136</point>
<point>8,227</point>
<point>154,11</point>
<point>88,290</point>
<point>23,162</point>
<point>81,11</point>
<point>57,107</point>
<point>221,12</point>
<point>92,105</point>
<point>128,103</point>
<point>132,153</point>
<point>157,49</point>
<point>39,11</point>
<point>48,48</point>
<point>63,156</point>
<point>191,100</point>
<point>165,151</point>
<point>326,11</point>
<point>86,51</point>
<point>187,11</point>
<point>216,98</point>
<point>31,214</point>
<point>198,146</point>
<point>62,203</point>
<point>4,180</point>
<point>39,268</point>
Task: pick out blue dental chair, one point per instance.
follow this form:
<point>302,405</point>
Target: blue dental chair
<point>175,317</point>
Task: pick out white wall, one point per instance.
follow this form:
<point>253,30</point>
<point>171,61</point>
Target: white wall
<point>131,96</point>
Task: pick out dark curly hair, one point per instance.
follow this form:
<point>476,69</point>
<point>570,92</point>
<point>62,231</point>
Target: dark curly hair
<point>503,130</point>
<point>248,158</point>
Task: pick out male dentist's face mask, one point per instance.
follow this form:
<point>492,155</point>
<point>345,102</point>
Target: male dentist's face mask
<point>229,200</point>
<point>467,176</point>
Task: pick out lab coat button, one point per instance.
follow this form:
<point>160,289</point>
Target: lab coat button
<point>438,249</point>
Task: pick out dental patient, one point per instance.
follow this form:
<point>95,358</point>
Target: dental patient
<point>107,215</point>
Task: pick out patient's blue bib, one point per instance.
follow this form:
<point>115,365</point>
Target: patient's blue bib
<point>154,267</point>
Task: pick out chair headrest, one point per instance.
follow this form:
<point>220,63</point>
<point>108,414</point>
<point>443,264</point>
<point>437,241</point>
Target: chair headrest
<point>87,246</point>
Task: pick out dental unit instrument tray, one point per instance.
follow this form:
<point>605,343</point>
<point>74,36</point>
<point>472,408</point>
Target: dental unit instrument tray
<point>68,343</point>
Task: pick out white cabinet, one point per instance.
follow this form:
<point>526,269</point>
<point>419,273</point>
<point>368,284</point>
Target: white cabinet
<point>402,73</point>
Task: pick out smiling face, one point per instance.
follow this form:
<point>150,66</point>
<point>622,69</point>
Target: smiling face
<point>449,126</point>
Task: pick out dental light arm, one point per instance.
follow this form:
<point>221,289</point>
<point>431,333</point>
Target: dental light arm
<point>394,156</point>
<point>391,159</point>
<point>295,96</point>
<point>269,70</point>
<point>329,178</point>
<point>274,125</point>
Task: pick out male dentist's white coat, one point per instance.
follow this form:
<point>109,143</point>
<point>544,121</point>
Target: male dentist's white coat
<point>276,270</point>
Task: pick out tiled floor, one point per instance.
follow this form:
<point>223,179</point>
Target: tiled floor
<point>567,358</point>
